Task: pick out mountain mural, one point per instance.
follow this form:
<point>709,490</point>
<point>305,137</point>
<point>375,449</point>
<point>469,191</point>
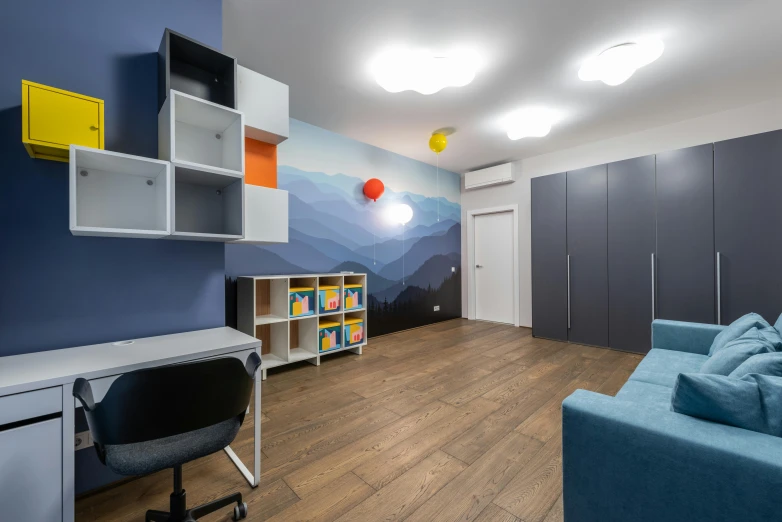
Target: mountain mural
<point>333,227</point>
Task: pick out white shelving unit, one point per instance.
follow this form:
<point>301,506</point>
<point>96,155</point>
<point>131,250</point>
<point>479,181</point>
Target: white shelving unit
<point>264,103</point>
<point>200,134</point>
<point>263,312</point>
<point>206,206</point>
<point>265,215</point>
<point>118,195</point>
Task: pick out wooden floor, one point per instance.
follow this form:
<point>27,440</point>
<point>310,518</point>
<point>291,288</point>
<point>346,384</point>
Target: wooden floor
<point>455,421</point>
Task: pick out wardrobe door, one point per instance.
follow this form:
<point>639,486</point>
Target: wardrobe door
<point>549,256</point>
<point>685,235</point>
<point>631,247</point>
<point>588,263</point>
<point>748,225</point>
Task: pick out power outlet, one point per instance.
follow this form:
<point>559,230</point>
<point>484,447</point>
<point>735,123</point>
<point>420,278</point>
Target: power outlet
<point>437,308</point>
<point>82,440</point>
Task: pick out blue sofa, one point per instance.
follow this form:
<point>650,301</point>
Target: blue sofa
<point>630,458</point>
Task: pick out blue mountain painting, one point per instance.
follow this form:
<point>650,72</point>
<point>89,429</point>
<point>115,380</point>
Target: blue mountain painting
<point>333,227</point>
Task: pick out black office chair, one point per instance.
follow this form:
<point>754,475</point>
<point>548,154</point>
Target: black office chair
<point>163,417</point>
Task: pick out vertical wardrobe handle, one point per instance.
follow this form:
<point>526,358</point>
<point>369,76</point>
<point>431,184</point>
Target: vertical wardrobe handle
<point>568,292</point>
<point>719,290</point>
<point>654,289</point>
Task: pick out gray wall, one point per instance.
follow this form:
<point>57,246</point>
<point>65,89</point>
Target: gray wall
<point>751,119</point>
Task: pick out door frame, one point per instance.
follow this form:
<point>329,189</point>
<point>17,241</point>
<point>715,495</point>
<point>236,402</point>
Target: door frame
<point>471,215</point>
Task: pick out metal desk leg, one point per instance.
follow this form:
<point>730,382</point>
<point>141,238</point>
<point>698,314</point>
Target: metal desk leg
<point>68,454</point>
<point>253,478</point>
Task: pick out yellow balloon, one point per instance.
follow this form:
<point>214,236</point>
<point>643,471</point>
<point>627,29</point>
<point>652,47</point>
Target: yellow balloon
<point>438,142</point>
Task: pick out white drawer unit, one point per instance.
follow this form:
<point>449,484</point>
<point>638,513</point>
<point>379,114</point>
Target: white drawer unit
<point>30,460</point>
<point>22,406</point>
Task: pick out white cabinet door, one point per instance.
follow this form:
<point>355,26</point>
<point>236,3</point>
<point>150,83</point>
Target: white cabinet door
<point>494,267</point>
<point>31,472</point>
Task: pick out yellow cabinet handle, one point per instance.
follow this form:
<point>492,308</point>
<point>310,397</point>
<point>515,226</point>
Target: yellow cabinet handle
<point>93,127</point>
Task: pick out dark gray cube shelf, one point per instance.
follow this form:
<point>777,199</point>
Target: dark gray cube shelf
<point>189,66</point>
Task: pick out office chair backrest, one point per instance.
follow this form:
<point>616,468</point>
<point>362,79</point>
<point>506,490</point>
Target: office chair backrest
<point>159,402</point>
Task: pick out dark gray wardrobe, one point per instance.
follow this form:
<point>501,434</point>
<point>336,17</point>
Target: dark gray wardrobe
<point>685,235</point>
<point>631,249</point>
<point>689,235</point>
<point>549,257</point>
<point>587,256</point>
<point>748,226</point>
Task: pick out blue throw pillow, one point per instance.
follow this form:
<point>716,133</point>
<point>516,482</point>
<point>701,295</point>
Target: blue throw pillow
<point>736,329</point>
<point>753,402</point>
<point>736,352</point>
<point>762,363</point>
<point>773,336</point>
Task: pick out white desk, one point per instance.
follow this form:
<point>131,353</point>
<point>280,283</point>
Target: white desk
<point>36,385</point>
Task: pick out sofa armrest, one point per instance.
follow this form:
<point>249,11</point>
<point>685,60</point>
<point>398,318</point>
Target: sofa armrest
<point>684,337</point>
<point>623,462</point>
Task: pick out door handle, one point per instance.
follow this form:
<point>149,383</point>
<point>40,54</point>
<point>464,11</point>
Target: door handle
<point>478,266</point>
<point>654,288</point>
<point>568,292</point>
<point>719,290</point>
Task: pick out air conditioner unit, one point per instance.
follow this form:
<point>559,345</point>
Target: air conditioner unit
<point>497,175</point>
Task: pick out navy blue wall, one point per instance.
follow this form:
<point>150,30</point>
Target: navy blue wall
<point>57,290</point>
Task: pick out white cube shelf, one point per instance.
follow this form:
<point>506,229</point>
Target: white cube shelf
<point>118,195</point>
<point>265,215</point>
<point>264,103</point>
<point>262,311</point>
<point>196,133</point>
<point>206,206</point>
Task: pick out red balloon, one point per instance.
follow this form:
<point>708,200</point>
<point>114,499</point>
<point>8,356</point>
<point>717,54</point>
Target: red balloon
<point>373,189</point>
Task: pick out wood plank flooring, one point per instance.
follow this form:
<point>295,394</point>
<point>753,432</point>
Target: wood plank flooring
<point>455,421</point>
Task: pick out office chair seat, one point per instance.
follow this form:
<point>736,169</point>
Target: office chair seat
<point>167,416</point>
<point>141,458</point>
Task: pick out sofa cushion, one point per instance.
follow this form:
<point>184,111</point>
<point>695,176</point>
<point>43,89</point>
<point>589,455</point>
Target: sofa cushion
<point>773,336</point>
<point>736,329</point>
<point>753,402</point>
<point>736,352</point>
<point>646,394</point>
<point>668,361</point>
<point>763,363</point>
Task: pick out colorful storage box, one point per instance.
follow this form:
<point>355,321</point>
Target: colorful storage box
<point>353,297</point>
<point>328,335</point>
<point>354,331</point>
<point>329,299</point>
<point>302,301</point>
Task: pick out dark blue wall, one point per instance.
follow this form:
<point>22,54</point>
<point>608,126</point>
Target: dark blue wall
<point>57,290</point>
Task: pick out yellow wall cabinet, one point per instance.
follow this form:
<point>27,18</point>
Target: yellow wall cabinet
<point>53,119</point>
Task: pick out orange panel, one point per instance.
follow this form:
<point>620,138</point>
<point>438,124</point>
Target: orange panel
<point>260,163</point>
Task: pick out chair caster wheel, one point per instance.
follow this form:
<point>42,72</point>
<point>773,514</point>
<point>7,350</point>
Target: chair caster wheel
<point>240,511</point>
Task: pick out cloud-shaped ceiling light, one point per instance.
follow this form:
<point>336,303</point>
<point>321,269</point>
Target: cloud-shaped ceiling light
<point>530,123</point>
<point>398,70</point>
<point>615,65</point>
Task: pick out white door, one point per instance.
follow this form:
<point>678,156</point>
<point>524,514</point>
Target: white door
<point>494,267</point>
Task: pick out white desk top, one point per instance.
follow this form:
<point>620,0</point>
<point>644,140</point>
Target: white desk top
<point>32,371</point>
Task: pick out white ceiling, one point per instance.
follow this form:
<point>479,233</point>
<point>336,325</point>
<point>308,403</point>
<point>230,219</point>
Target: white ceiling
<point>719,54</point>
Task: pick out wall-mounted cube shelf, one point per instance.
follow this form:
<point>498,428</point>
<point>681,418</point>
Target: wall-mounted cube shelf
<point>54,119</point>
<point>118,195</point>
<point>265,215</point>
<point>189,66</point>
<point>206,206</point>
<point>199,134</point>
<point>263,312</point>
<point>264,103</point>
